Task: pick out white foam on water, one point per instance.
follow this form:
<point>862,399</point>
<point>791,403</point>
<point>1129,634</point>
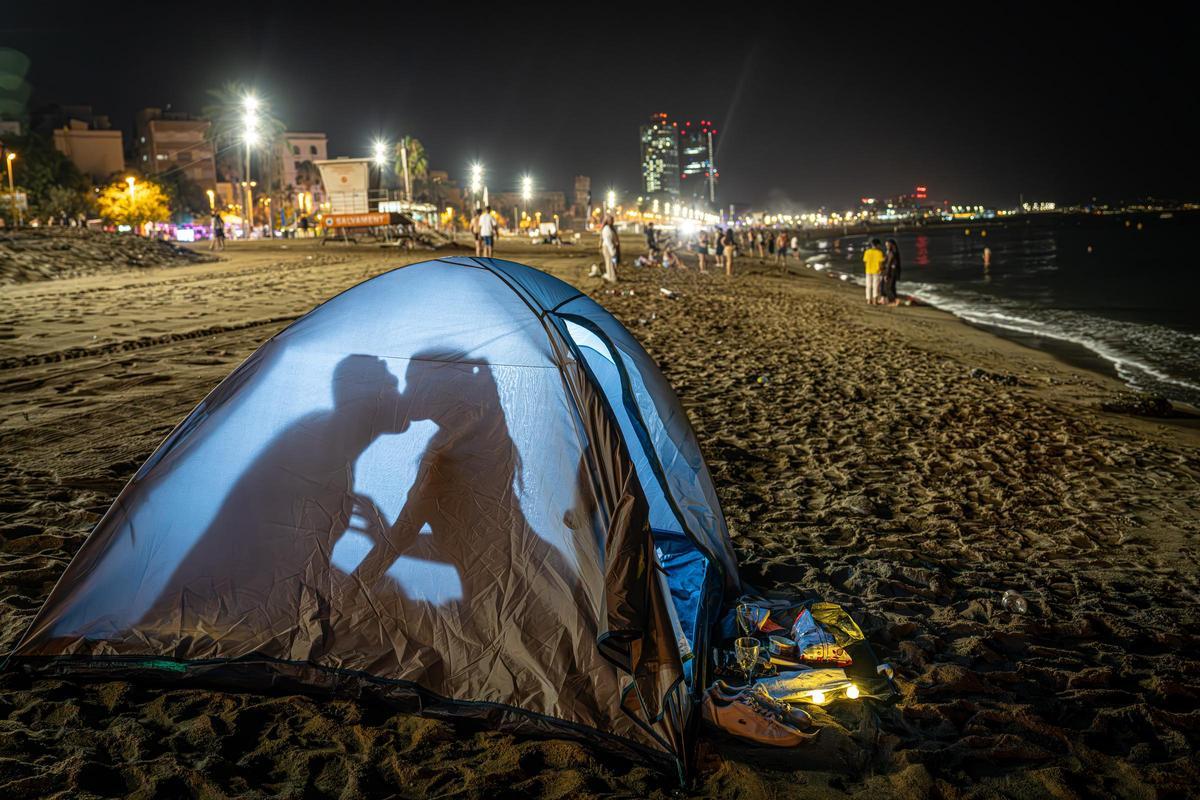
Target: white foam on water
<point>1146,356</point>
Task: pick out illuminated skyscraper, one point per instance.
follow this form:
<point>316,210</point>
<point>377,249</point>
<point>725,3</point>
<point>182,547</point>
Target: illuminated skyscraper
<point>660,156</point>
<point>698,169</point>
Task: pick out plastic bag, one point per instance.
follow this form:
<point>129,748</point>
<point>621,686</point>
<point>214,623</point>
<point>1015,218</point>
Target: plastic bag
<point>834,619</point>
<point>806,632</point>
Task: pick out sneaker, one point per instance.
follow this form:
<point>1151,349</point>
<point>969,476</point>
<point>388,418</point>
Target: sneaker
<point>723,691</point>
<point>749,720</point>
<point>786,712</point>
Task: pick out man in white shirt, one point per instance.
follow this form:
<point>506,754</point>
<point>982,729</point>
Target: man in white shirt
<point>609,247</point>
<point>487,231</point>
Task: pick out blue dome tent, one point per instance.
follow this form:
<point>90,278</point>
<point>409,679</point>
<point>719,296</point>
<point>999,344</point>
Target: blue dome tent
<point>460,487</point>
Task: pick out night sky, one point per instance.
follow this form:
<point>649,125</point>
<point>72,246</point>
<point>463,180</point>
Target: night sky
<point>978,105</point>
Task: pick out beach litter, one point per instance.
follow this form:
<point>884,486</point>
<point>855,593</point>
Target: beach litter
<point>667,293</point>
<point>1138,404</point>
<point>1013,602</point>
<point>995,377</point>
<point>826,660</point>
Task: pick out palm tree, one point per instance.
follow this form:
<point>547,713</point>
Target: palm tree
<point>410,154</point>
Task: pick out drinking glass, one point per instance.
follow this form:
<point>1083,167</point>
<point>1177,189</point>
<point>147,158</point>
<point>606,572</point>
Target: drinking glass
<point>742,614</point>
<point>747,649</point>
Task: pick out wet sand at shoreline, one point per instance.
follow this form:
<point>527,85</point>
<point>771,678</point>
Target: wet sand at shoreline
<point>857,457</point>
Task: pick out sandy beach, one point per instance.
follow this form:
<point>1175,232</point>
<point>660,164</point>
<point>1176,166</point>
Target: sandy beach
<point>894,460</point>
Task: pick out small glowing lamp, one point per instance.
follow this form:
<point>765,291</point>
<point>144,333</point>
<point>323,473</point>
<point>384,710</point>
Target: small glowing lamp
<point>818,697</point>
<point>852,692</point>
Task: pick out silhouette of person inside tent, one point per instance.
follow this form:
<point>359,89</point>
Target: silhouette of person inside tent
<point>464,509</point>
<point>263,561</point>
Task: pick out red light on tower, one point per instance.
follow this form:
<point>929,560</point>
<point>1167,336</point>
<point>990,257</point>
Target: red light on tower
<point>921,193</point>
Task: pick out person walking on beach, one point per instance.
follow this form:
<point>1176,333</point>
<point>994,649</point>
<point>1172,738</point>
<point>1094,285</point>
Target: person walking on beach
<point>475,232</point>
<point>609,248</point>
<point>218,232</point>
<point>759,244</point>
<point>727,250</point>
<point>873,264</point>
<point>702,248</point>
<point>781,249</point>
<point>651,239</point>
<point>487,232</point>
<point>891,272</point>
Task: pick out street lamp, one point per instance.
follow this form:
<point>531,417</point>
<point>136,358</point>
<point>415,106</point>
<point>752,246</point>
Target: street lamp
<point>476,182</point>
<point>12,193</point>
<point>526,193</point>
<point>612,199</point>
<point>379,152</point>
<point>250,137</point>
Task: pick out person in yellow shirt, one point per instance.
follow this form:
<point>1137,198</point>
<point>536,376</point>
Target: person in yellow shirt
<point>873,262</point>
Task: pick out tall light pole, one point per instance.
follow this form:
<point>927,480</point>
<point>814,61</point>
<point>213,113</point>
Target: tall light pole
<point>526,193</point>
<point>379,154</point>
<point>612,199</point>
<point>404,166</point>
<point>712,171</point>
<point>132,183</point>
<point>250,137</point>
<point>12,193</point>
<point>476,184</point>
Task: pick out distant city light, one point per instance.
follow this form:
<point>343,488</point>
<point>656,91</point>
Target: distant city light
<point>476,177</point>
<point>526,188</point>
<point>612,198</point>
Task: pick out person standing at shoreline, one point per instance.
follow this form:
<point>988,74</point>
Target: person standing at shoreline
<point>609,249</point>
<point>891,272</point>
<point>873,263</point>
<point>727,251</point>
<point>487,232</point>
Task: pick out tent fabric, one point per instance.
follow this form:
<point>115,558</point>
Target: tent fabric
<point>459,485</point>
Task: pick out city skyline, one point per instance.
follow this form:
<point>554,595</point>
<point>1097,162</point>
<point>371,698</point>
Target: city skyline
<point>1071,114</point>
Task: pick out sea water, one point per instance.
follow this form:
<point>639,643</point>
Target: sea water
<point>1122,288</point>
